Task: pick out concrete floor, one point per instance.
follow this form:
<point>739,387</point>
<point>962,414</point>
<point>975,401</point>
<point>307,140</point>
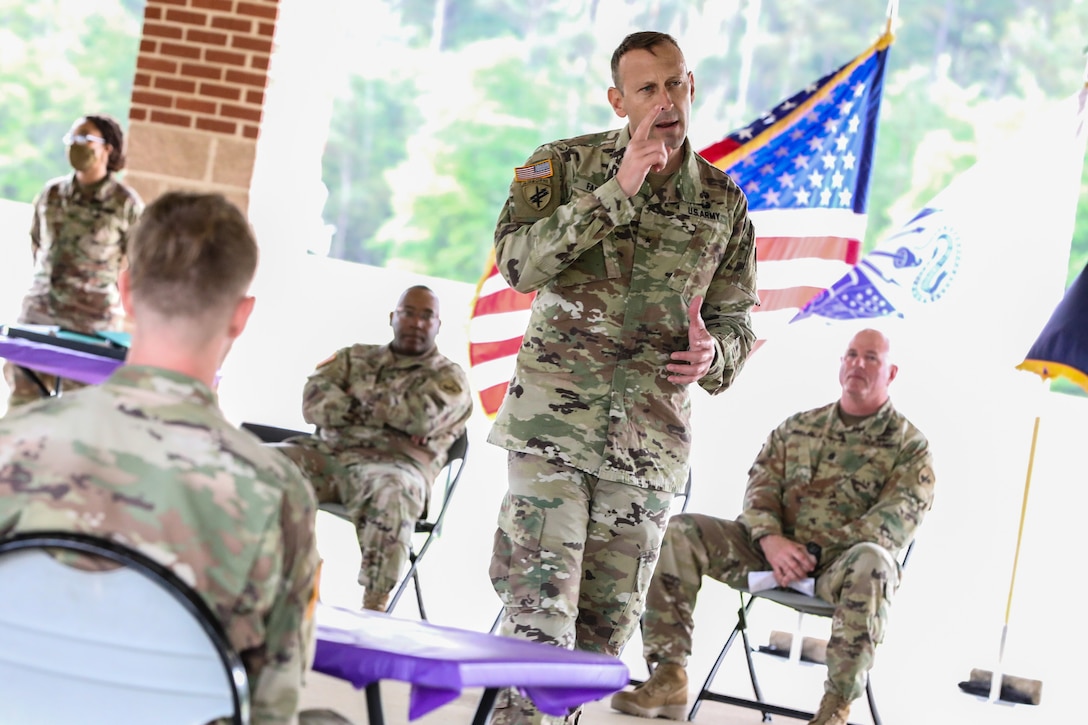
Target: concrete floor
<point>326,692</point>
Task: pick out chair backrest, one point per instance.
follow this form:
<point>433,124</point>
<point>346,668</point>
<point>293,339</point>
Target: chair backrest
<point>273,433</point>
<point>127,644</point>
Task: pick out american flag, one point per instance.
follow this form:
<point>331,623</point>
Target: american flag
<point>944,267</point>
<point>804,166</point>
<point>537,171</point>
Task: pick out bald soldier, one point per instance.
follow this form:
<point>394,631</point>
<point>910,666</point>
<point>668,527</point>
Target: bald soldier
<point>385,417</point>
<point>642,257</point>
<point>147,458</point>
<point>855,478</point>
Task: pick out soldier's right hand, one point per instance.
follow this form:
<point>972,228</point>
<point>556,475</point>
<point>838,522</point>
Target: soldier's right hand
<point>789,560</point>
<point>642,155</point>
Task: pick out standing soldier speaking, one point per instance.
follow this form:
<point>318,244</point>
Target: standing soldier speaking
<point>642,256</point>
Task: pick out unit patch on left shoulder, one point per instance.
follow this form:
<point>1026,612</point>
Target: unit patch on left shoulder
<point>537,194</point>
<point>534,193</point>
<point>449,385</point>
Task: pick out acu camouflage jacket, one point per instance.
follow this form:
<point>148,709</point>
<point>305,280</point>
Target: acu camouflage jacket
<point>818,479</point>
<point>79,238</point>
<point>367,403</point>
<point>148,459</point>
<point>613,277</point>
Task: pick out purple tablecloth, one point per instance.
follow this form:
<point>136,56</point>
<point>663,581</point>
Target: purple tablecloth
<point>363,647</point>
<point>73,364</point>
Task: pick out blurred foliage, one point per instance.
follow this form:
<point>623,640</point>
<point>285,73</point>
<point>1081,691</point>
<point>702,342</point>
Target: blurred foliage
<point>59,60</point>
<point>510,75</point>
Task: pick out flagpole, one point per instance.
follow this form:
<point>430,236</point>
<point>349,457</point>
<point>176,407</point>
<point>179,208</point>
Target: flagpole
<point>998,673</point>
<point>893,15</point>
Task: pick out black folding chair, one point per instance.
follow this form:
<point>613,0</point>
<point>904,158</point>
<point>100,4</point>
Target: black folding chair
<point>802,604</point>
<point>427,529</point>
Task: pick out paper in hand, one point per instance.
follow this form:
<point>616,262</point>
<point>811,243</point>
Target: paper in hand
<point>759,581</point>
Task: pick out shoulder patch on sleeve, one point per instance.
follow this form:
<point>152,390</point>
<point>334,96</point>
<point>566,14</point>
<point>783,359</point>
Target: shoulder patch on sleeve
<point>536,189</point>
<point>449,385</point>
<point>539,170</point>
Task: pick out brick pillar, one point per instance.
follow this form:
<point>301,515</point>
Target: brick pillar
<point>199,95</point>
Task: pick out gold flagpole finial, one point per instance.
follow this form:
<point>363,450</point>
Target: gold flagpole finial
<point>893,16</point>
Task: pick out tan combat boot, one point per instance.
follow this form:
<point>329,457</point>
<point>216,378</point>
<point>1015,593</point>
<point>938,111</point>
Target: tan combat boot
<point>833,710</point>
<point>665,695</point>
<point>375,601</point>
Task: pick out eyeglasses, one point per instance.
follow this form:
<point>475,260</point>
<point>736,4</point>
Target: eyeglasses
<point>81,138</point>
<point>411,314</point>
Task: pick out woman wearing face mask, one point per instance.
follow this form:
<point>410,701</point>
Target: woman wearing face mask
<point>78,239</point>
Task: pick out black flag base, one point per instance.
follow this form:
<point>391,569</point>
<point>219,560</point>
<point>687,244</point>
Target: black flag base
<point>1016,690</point>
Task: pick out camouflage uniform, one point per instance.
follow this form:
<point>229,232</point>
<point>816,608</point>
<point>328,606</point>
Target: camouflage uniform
<point>148,459</point>
<point>605,435</point>
<point>859,491</point>
<point>367,403</point>
<point>78,238</point>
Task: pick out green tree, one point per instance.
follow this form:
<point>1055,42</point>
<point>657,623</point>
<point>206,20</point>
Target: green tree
<point>369,135</point>
<point>58,61</point>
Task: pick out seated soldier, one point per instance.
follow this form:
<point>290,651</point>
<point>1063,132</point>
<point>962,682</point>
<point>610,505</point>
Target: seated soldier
<point>385,417</point>
<point>855,478</point>
<point>148,459</point>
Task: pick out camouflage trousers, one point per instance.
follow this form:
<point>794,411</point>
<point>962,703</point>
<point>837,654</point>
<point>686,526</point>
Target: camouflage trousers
<point>384,499</point>
<point>24,390</point>
<point>572,558</point>
<point>860,583</point>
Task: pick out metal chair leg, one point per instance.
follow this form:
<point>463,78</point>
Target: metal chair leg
<point>757,692</point>
<point>33,377</point>
<point>742,623</point>
<point>872,700</point>
<point>374,713</point>
<point>419,595</point>
<point>486,706</point>
<point>413,560</point>
<point>498,620</point>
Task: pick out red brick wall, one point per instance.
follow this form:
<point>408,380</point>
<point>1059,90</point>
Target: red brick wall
<point>198,96</point>
<point>203,64</point>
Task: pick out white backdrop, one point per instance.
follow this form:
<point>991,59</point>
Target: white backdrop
<point>948,616</point>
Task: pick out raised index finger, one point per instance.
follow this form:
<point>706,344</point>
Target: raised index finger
<point>642,133</point>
